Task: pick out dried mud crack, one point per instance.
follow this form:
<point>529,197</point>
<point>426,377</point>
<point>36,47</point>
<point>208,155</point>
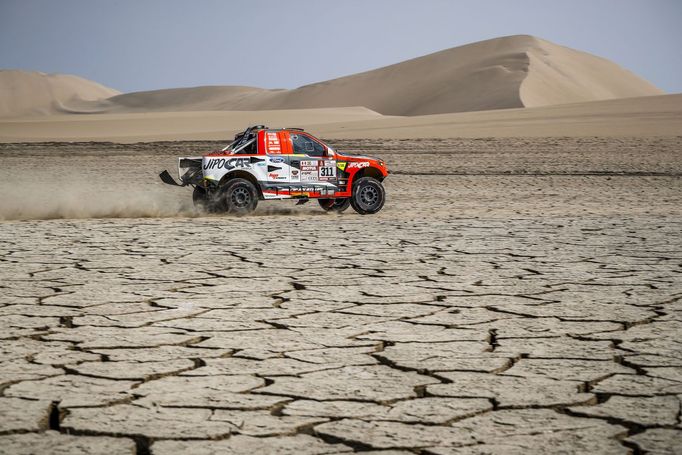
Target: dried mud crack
<point>475,314</point>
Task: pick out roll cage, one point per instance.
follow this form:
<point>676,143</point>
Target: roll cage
<point>243,139</point>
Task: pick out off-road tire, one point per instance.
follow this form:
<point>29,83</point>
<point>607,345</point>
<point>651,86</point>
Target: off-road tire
<point>203,202</point>
<point>239,196</point>
<point>368,196</point>
<point>199,197</point>
<point>334,205</point>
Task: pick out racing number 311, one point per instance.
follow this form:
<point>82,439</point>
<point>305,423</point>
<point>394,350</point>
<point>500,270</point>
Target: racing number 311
<point>327,171</point>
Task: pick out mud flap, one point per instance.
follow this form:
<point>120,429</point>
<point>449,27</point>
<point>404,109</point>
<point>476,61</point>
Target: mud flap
<point>167,179</point>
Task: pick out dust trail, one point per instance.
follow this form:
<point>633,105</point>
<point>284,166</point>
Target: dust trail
<point>78,200</point>
<point>44,201</point>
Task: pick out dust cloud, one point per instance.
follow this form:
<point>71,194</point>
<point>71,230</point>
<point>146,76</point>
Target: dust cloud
<point>44,201</point>
<point>39,184</point>
<point>79,200</point>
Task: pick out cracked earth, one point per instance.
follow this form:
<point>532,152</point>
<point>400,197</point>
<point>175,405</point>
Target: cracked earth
<point>484,310</point>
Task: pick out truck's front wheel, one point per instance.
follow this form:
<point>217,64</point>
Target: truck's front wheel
<point>368,196</point>
<point>239,196</point>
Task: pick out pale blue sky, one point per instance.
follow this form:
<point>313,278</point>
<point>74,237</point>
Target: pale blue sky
<point>135,45</point>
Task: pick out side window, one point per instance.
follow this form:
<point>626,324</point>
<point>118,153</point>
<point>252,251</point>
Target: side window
<point>305,145</point>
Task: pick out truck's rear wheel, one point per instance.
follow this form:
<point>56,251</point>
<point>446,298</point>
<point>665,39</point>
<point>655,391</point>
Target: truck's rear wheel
<point>368,196</point>
<point>239,196</point>
<point>199,198</point>
<point>203,201</point>
<point>334,205</point>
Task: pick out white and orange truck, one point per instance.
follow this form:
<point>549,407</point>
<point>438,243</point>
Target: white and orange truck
<point>281,163</point>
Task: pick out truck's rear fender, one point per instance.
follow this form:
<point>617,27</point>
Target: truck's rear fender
<point>240,174</point>
<point>218,167</point>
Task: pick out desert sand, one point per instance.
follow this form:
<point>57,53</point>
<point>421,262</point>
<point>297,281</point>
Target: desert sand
<point>508,286</point>
<point>166,125</point>
<point>646,116</point>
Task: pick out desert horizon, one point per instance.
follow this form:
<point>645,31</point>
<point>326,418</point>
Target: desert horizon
<point>475,250</point>
<point>504,87</point>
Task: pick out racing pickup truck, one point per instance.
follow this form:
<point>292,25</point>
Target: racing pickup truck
<point>284,163</point>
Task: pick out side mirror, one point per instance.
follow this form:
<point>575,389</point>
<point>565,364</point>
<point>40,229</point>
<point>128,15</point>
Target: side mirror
<point>330,153</point>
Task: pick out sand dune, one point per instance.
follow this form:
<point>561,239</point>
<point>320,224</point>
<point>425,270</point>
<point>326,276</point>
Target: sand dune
<point>508,72</point>
<point>644,116</point>
<point>502,73</point>
<point>208,98</point>
<point>559,75</point>
<point>32,92</point>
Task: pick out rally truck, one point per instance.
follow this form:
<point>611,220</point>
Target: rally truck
<point>281,163</point>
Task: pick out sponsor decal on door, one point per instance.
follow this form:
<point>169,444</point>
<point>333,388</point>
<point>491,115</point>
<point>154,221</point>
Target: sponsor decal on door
<point>327,170</point>
<point>272,144</point>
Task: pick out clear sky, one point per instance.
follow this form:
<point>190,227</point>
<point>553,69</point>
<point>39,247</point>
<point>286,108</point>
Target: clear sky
<point>133,45</point>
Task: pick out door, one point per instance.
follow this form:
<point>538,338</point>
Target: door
<point>310,164</point>
<point>275,145</point>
